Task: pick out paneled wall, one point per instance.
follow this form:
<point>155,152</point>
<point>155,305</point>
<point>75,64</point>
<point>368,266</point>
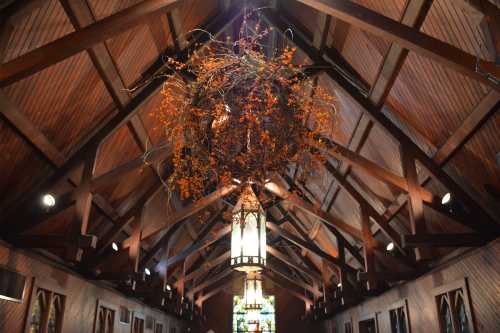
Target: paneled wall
<point>81,297</point>
<point>480,267</point>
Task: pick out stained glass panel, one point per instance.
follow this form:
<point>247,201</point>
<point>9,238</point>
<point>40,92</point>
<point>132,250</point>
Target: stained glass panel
<point>262,321</point>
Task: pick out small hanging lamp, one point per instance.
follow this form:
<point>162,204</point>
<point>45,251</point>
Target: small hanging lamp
<point>253,292</point>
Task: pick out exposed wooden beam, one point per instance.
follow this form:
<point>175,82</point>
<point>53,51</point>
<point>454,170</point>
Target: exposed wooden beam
<point>485,222</point>
<point>227,272</point>
<point>415,206</point>
<point>368,245</point>
<point>372,212</point>
<point>78,41</point>
<point>270,268</point>
<point>223,286</point>
<point>215,25</point>
<point>288,261</point>
<point>308,246</point>
<point>308,302</point>
<point>83,205</point>
<point>207,227</point>
<point>81,16</point>
<point>204,243</point>
<point>445,240</point>
<point>206,267</point>
<point>125,219</point>
<point>413,16</point>
<point>52,241</point>
<point>410,38</point>
<point>192,209</point>
<point>294,200</point>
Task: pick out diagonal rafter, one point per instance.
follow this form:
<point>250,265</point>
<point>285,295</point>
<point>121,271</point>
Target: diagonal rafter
<point>215,25</point>
<point>407,37</point>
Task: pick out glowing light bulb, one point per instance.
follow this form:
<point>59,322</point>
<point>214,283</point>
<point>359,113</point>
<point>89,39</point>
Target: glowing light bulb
<point>48,200</point>
<point>339,285</point>
<point>114,246</point>
<point>446,198</point>
<point>168,287</point>
<point>147,271</point>
<point>390,246</point>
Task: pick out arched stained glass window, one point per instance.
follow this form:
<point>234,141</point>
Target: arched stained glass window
<point>445,315</point>
<point>46,312</point>
<point>55,314</point>
<point>462,319</point>
<point>37,311</point>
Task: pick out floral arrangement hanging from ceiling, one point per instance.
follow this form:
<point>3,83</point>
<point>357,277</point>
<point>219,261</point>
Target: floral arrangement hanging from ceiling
<point>245,115</point>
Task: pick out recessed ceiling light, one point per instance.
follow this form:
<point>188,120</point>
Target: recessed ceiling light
<point>48,200</point>
<point>390,246</point>
<point>446,198</point>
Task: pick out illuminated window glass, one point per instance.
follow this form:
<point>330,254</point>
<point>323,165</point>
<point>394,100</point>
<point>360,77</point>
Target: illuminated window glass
<point>262,321</point>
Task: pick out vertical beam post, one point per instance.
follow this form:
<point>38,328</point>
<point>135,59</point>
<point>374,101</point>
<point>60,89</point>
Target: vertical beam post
<point>368,247</point>
<point>415,203</point>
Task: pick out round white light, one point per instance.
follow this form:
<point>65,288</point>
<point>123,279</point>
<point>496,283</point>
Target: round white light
<point>114,246</point>
<point>168,287</point>
<point>390,246</point>
<point>48,200</point>
<point>446,198</point>
<point>147,271</point>
<point>339,285</point>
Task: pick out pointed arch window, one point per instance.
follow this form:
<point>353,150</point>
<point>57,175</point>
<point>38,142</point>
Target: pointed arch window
<point>453,307</point>
<point>47,312</point>
<point>398,315</point>
<point>105,317</point>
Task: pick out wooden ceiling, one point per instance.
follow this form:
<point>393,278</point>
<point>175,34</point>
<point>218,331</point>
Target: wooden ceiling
<point>418,119</point>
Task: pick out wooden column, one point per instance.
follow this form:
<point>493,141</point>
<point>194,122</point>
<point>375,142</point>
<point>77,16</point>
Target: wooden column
<point>368,247</point>
<point>415,203</point>
<point>83,206</point>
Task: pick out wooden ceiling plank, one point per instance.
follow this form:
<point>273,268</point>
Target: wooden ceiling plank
<point>485,221</point>
<point>75,42</point>
<point>407,37</point>
<point>81,16</point>
<point>215,25</point>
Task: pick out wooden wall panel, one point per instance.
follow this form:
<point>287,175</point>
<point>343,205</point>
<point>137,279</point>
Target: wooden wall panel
<point>81,296</point>
<point>479,266</point>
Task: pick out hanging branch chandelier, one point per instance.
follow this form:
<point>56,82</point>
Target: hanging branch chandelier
<point>246,113</point>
